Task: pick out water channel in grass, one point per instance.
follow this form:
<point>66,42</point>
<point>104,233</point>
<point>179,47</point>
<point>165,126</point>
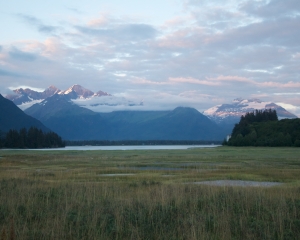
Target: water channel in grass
<point>238,183</point>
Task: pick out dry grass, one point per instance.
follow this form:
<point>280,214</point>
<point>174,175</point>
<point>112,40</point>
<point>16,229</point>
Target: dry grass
<point>62,195</point>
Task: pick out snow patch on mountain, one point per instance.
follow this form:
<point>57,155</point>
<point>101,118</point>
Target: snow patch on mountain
<point>212,110</point>
<point>241,106</point>
<point>26,105</point>
<point>25,98</point>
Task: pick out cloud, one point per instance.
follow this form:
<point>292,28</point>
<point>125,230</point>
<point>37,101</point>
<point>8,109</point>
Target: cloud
<point>103,20</point>
<point>9,73</point>
<point>207,82</point>
<point>46,28</point>
<point>41,27</point>
<point>291,108</point>
<point>272,9</point>
<point>218,81</point>
<point>147,82</point>
<point>280,85</point>
<point>127,32</point>
<point>21,55</point>
<point>144,101</point>
<point>287,94</point>
<point>212,48</point>
<point>74,10</point>
<point>24,87</point>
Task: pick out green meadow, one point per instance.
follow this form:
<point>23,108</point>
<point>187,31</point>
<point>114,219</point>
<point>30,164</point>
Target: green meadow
<point>149,194</point>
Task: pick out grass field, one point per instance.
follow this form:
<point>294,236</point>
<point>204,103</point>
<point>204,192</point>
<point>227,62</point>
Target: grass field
<point>149,194</point>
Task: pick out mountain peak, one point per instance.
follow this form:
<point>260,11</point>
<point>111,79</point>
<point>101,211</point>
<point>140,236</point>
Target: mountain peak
<point>52,87</point>
<point>101,93</point>
<point>78,91</point>
<point>51,90</point>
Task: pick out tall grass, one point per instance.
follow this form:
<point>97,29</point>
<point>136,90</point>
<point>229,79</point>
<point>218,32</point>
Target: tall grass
<point>62,196</point>
<point>41,210</point>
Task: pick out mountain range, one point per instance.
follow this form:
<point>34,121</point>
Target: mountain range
<point>25,98</point>
<point>64,113</point>
<point>77,123</point>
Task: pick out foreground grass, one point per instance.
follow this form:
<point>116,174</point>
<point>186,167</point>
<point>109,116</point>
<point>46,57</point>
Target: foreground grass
<point>63,195</point>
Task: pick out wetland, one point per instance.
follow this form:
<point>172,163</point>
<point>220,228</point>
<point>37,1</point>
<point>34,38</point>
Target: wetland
<point>151,194</point>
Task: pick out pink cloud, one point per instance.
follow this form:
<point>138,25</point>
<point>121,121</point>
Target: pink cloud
<point>98,22</point>
<point>217,81</point>
<point>280,85</point>
<point>51,48</point>
<point>183,38</point>
<point>148,82</point>
<point>3,57</point>
<point>231,79</point>
<point>175,22</point>
<point>207,82</point>
<point>296,55</point>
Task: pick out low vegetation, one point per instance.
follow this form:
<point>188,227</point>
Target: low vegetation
<point>79,194</point>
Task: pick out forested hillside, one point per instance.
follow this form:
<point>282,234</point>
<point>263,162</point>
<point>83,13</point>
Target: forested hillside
<point>262,128</point>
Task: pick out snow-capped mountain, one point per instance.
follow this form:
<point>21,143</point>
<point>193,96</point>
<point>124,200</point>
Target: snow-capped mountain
<point>27,95</point>
<point>96,101</point>
<point>24,98</point>
<point>77,91</point>
<point>226,115</point>
<point>240,106</point>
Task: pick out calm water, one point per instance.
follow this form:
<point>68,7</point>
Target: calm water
<point>140,147</point>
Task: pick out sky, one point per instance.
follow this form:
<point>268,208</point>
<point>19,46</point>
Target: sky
<point>164,53</point>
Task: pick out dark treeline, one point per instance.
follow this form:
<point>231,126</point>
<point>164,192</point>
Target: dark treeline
<point>258,116</point>
<point>32,138</point>
<point>262,128</point>
<point>139,142</point>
